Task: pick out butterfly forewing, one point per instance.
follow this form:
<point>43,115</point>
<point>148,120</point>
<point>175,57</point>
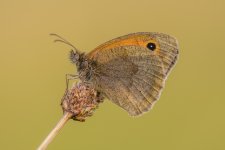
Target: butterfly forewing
<point>168,51</point>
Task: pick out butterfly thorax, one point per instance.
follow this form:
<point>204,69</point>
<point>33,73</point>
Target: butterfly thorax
<point>84,66</point>
<point>85,70</point>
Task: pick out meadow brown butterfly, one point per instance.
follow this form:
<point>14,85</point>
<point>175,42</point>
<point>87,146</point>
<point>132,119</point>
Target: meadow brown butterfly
<point>130,70</point>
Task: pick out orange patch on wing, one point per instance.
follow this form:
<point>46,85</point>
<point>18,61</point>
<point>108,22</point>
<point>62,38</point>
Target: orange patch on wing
<point>135,40</point>
<point>130,40</point>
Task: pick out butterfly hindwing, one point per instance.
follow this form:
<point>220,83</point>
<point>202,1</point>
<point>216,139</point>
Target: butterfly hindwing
<point>131,79</point>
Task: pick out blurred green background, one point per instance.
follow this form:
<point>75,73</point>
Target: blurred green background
<point>190,113</point>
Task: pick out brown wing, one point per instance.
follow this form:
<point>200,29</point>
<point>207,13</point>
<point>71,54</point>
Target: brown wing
<point>168,50</point>
<point>167,46</point>
<point>132,77</point>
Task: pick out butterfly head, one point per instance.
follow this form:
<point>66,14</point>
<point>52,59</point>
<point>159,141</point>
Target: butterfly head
<point>75,57</point>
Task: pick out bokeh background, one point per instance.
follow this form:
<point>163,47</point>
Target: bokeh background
<point>190,113</point>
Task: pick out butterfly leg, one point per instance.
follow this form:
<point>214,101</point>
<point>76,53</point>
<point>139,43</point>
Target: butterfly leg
<point>70,77</point>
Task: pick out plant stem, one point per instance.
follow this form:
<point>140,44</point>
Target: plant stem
<point>55,131</point>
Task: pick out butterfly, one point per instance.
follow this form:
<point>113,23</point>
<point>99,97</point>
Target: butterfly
<point>129,70</point>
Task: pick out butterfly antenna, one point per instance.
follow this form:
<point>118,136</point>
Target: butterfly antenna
<point>62,40</point>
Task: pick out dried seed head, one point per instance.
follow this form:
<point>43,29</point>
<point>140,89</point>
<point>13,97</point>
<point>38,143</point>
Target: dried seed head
<point>81,101</point>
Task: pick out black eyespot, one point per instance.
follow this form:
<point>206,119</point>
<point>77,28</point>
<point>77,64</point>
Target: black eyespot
<point>151,46</point>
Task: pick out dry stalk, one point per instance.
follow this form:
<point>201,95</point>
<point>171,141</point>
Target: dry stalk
<point>78,103</point>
